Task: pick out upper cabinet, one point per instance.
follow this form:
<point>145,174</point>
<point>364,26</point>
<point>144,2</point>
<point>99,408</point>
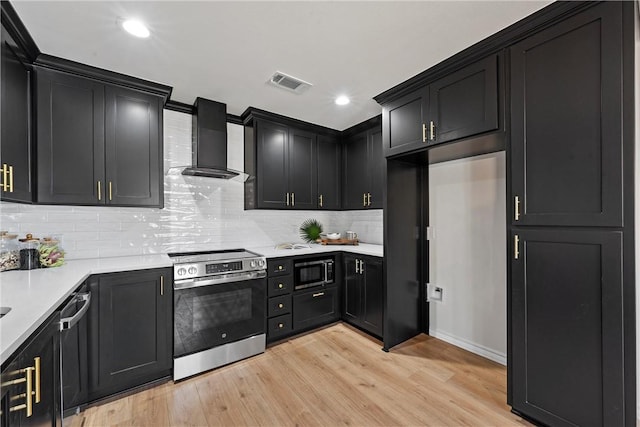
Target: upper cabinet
<point>97,143</point>
<point>291,165</point>
<point>15,145</point>
<point>566,131</point>
<point>459,105</point>
<point>363,167</point>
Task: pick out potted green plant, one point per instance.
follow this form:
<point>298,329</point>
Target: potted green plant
<point>310,230</point>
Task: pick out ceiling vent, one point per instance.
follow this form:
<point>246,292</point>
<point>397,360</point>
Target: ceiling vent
<point>290,83</point>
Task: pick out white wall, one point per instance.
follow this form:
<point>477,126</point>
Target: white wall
<point>467,253</point>
<point>199,213</point>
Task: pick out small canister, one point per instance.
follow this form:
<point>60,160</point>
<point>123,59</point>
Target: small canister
<point>29,255</point>
<point>51,253</point>
<point>9,252</point>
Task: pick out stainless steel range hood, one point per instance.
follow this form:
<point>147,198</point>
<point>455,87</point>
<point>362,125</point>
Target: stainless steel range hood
<point>209,147</point>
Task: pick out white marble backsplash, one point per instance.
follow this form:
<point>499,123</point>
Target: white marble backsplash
<point>199,213</point>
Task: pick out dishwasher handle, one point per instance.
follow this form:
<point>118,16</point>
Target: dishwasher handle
<point>70,322</point>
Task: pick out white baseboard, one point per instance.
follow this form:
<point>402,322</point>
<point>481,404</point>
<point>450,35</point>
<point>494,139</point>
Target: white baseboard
<point>480,350</point>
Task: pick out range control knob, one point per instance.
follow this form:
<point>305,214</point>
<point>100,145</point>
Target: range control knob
<point>253,263</point>
<point>192,270</point>
<point>181,271</point>
<point>261,263</point>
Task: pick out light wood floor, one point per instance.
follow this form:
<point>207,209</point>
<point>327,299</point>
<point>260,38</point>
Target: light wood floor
<point>334,376</point>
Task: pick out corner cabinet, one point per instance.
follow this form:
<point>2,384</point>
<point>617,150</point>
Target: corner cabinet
<point>130,330</point>
<point>97,143</point>
<point>363,292</point>
<point>459,105</point>
<point>363,169</point>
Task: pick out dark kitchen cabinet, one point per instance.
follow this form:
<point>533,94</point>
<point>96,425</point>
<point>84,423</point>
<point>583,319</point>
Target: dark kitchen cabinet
<point>566,127</point>
<point>97,143</point>
<point>363,292</point>
<point>363,170</point>
<point>31,380</point>
<point>286,167</point>
<point>329,173</point>
<point>461,104</point>
<point>314,307</point>
<point>15,142</point>
<point>567,326</point>
<point>131,329</point>
<point>279,303</point>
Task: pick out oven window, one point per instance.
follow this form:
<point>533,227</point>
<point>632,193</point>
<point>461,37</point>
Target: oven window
<point>208,316</point>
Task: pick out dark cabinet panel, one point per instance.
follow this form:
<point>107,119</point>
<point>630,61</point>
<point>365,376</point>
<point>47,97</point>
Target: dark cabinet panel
<point>352,288</point>
<point>376,170</point>
<point>279,266</point>
<point>464,103</point>
<point>363,292</point>
<point>356,174</point>
<point>70,138</point>
<point>303,163</point>
<point>39,360</point>
<point>566,132</point>
<point>329,173</point>
<point>315,307</point>
<point>373,295</point>
<point>15,149</point>
<point>566,319</point>
<point>133,129</point>
<point>404,123</point>
<point>74,349</point>
<point>272,165</point>
<point>279,326</point>
<point>130,330</point>
<point>280,285</point>
<point>279,305</point>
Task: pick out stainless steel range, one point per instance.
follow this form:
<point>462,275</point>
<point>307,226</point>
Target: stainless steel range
<point>219,309</point>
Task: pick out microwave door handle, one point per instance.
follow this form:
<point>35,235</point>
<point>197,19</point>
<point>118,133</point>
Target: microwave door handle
<point>326,272</point>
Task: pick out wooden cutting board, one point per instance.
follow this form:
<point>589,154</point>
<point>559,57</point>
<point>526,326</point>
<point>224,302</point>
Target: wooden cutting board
<point>338,242</point>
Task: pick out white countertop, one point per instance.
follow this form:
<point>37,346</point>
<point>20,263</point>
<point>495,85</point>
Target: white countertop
<point>34,295</point>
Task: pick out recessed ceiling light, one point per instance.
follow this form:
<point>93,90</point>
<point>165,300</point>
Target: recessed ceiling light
<point>342,100</point>
<point>136,28</point>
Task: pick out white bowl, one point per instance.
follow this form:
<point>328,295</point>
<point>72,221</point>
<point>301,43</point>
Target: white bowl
<point>333,236</point>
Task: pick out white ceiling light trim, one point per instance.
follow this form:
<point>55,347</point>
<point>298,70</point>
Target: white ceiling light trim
<point>136,27</point>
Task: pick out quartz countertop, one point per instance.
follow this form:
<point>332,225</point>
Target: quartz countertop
<point>35,294</point>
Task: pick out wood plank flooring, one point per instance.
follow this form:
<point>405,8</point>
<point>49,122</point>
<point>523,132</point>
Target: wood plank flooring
<point>334,376</point>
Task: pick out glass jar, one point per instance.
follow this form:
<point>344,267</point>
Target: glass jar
<point>29,255</point>
<point>51,253</point>
<point>9,252</point>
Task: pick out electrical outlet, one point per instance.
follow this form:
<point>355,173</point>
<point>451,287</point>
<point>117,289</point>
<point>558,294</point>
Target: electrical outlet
<point>434,293</point>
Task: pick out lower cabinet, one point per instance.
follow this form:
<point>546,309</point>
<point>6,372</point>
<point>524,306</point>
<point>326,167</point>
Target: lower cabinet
<point>31,381</point>
<point>315,307</point>
<point>130,330</point>
<point>363,293</point>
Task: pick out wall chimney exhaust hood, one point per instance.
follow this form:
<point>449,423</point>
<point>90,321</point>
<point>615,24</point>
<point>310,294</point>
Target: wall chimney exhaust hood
<point>209,146</point>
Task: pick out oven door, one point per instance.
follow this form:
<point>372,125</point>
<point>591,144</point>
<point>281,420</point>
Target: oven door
<point>212,315</point>
<point>311,273</point>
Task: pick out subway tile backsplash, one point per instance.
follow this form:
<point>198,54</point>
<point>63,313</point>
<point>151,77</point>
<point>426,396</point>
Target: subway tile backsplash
<point>199,213</point>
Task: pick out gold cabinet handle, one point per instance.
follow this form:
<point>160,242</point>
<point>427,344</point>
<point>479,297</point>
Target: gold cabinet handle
<point>364,199</point>
<point>368,199</point>
<point>280,325</point>
<point>319,294</point>
<point>7,180</point>
<point>516,247</point>
<point>10,179</point>
<point>99,191</point>
<point>280,286</point>
<point>280,267</point>
<point>293,199</point>
<point>517,208</point>
<point>110,192</point>
<point>36,364</point>
<point>321,200</point>
<point>287,199</point>
<point>432,131</point>
<point>361,267</point>
<point>280,305</point>
<point>424,132</point>
<point>161,285</point>
<point>28,405</point>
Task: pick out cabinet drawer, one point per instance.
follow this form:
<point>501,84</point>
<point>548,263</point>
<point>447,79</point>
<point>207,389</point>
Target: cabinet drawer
<point>280,285</point>
<point>279,267</point>
<point>315,307</point>
<point>279,305</point>
<point>279,326</point>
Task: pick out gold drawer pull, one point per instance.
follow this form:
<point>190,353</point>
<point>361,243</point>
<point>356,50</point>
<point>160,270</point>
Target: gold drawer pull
<point>28,405</point>
<point>319,294</point>
<point>37,371</point>
<point>280,305</point>
<point>280,286</point>
<point>280,325</point>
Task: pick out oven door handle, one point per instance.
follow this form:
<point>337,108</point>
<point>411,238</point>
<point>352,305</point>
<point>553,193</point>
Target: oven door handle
<point>218,280</point>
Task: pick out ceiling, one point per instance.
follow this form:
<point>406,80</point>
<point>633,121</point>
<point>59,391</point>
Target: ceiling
<point>226,51</point>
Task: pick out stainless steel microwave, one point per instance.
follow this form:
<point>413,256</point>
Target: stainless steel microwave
<point>310,273</point>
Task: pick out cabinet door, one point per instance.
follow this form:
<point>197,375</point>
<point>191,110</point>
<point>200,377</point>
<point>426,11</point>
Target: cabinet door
<point>273,165</point>
<point>315,307</point>
<point>373,295</point>
<point>567,332</point>
<point>355,174</point>
<point>133,148</point>
<point>566,137</point>
<point>130,330</point>
<point>329,173</point>
<point>43,349</point>
<point>376,169</point>
<point>353,292</point>
<point>303,163</point>
<point>15,149</point>
<point>70,139</point>
<point>464,103</point>
<point>404,123</point>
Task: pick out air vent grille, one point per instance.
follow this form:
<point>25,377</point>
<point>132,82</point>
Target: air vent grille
<point>290,83</point>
